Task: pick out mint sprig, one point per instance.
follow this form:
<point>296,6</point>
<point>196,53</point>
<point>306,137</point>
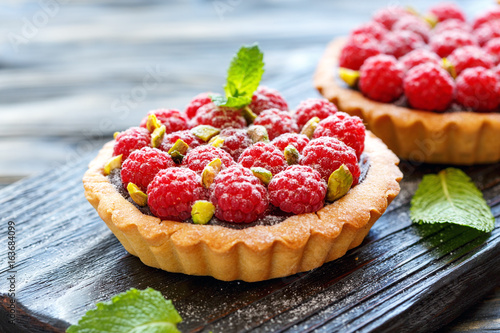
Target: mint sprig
<point>451,197</point>
<point>144,311</point>
<point>243,78</point>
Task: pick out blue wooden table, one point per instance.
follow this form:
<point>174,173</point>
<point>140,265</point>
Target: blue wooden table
<point>72,73</point>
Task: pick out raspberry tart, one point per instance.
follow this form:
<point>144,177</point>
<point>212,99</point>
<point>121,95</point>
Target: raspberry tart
<point>232,203</point>
<point>433,96</point>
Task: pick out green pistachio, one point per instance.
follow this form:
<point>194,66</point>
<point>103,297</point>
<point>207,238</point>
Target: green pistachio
<point>202,211</point>
<point>292,155</point>
<point>157,136</point>
<point>248,114</point>
<point>258,133</point>
<point>264,175</point>
<point>152,123</point>
<point>216,141</point>
<point>178,150</point>
<point>310,127</point>
<point>113,163</point>
<point>205,132</point>
<point>349,76</point>
<point>449,67</point>
<point>137,195</point>
<point>339,183</point>
<point>210,171</point>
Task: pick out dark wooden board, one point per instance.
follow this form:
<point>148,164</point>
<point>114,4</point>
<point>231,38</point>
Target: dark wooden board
<point>403,277</point>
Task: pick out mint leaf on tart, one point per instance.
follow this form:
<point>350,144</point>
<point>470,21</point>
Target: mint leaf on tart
<point>451,197</point>
<point>134,311</point>
<point>243,78</point>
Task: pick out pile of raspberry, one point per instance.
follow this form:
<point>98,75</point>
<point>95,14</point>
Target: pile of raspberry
<point>281,169</point>
<point>434,62</point>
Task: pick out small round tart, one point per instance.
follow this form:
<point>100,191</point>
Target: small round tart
<point>299,243</point>
<point>458,137</point>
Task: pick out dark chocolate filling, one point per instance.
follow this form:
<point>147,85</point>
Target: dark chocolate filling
<point>273,216</point>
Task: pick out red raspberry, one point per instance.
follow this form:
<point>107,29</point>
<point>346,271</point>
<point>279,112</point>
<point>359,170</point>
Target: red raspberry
<point>493,48</point>
<point>429,87</point>
<point>186,136</point>
<point>389,15</point>
<point>313,107</point>
<point>487,32</point>
<point>198,158</point>
<point>452,24</point>
<point>219,117</point>
<point>478,88</point>
<point>326,155</point>
<point>131,139</point>
<point>446,11</point>
<point>298,190</point>
<point>173,192</point>
<point>174,120</point>
<point>238,195</point>
<point>489,16</point>
<point>381,78</point>
<point>348,129</point>
<point>447,41</point>
<point>496,71</point>
<point>263,155</point>
<point>299,141</point>
<point>398,43</point>
<point>357,49</point>
<point>417,57</point>
<point>276,122</point>
<point>470,56</point>
<point>415,25</point>
<point>142,166</point>
<point>372,29</point>
<point>235,141</point>
<point>266,98</point>
<point>197,102</point>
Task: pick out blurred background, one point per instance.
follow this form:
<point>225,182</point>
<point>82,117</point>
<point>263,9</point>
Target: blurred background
<point>74,72</point>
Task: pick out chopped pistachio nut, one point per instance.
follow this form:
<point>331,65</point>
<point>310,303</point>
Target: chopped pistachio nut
<point>205,132</point>
<point>248,114</point>
<point>431,19</point>
<point>202,211</point>
<point>310,127</point>
<point>113,163</point>
<point>137,195</point>
<point>210,171</point>
<point>412,10</point>
<point>179,146</point>
<point>449,67</point>
<point>115,135</point>
<point>152,123</point>
<point>349,76</point>
<point>263,174</point>
<point>177,157</point>
<point>216,141</point>
<point>339,183</point>
<point>157,136</point>
<point>258,133</point>
<point>292,155</point>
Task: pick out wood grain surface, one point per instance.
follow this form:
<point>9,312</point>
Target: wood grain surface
<point>72,73</point>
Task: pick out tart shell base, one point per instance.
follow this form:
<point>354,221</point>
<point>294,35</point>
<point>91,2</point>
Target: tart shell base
<point>299,243</point>
<point>462,138</point>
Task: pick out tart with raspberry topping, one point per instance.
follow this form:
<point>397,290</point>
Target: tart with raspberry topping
<point>426,108</point>
<point>252,209</point>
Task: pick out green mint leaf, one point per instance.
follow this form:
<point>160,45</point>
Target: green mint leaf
<point>135,311</point>
<point>231,102</point>
<point>451,197</point>
<point>244,75</point>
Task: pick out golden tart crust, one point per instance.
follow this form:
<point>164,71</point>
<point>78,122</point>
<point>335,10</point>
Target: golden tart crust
<point>455,137</point>
<point>299,243</point>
